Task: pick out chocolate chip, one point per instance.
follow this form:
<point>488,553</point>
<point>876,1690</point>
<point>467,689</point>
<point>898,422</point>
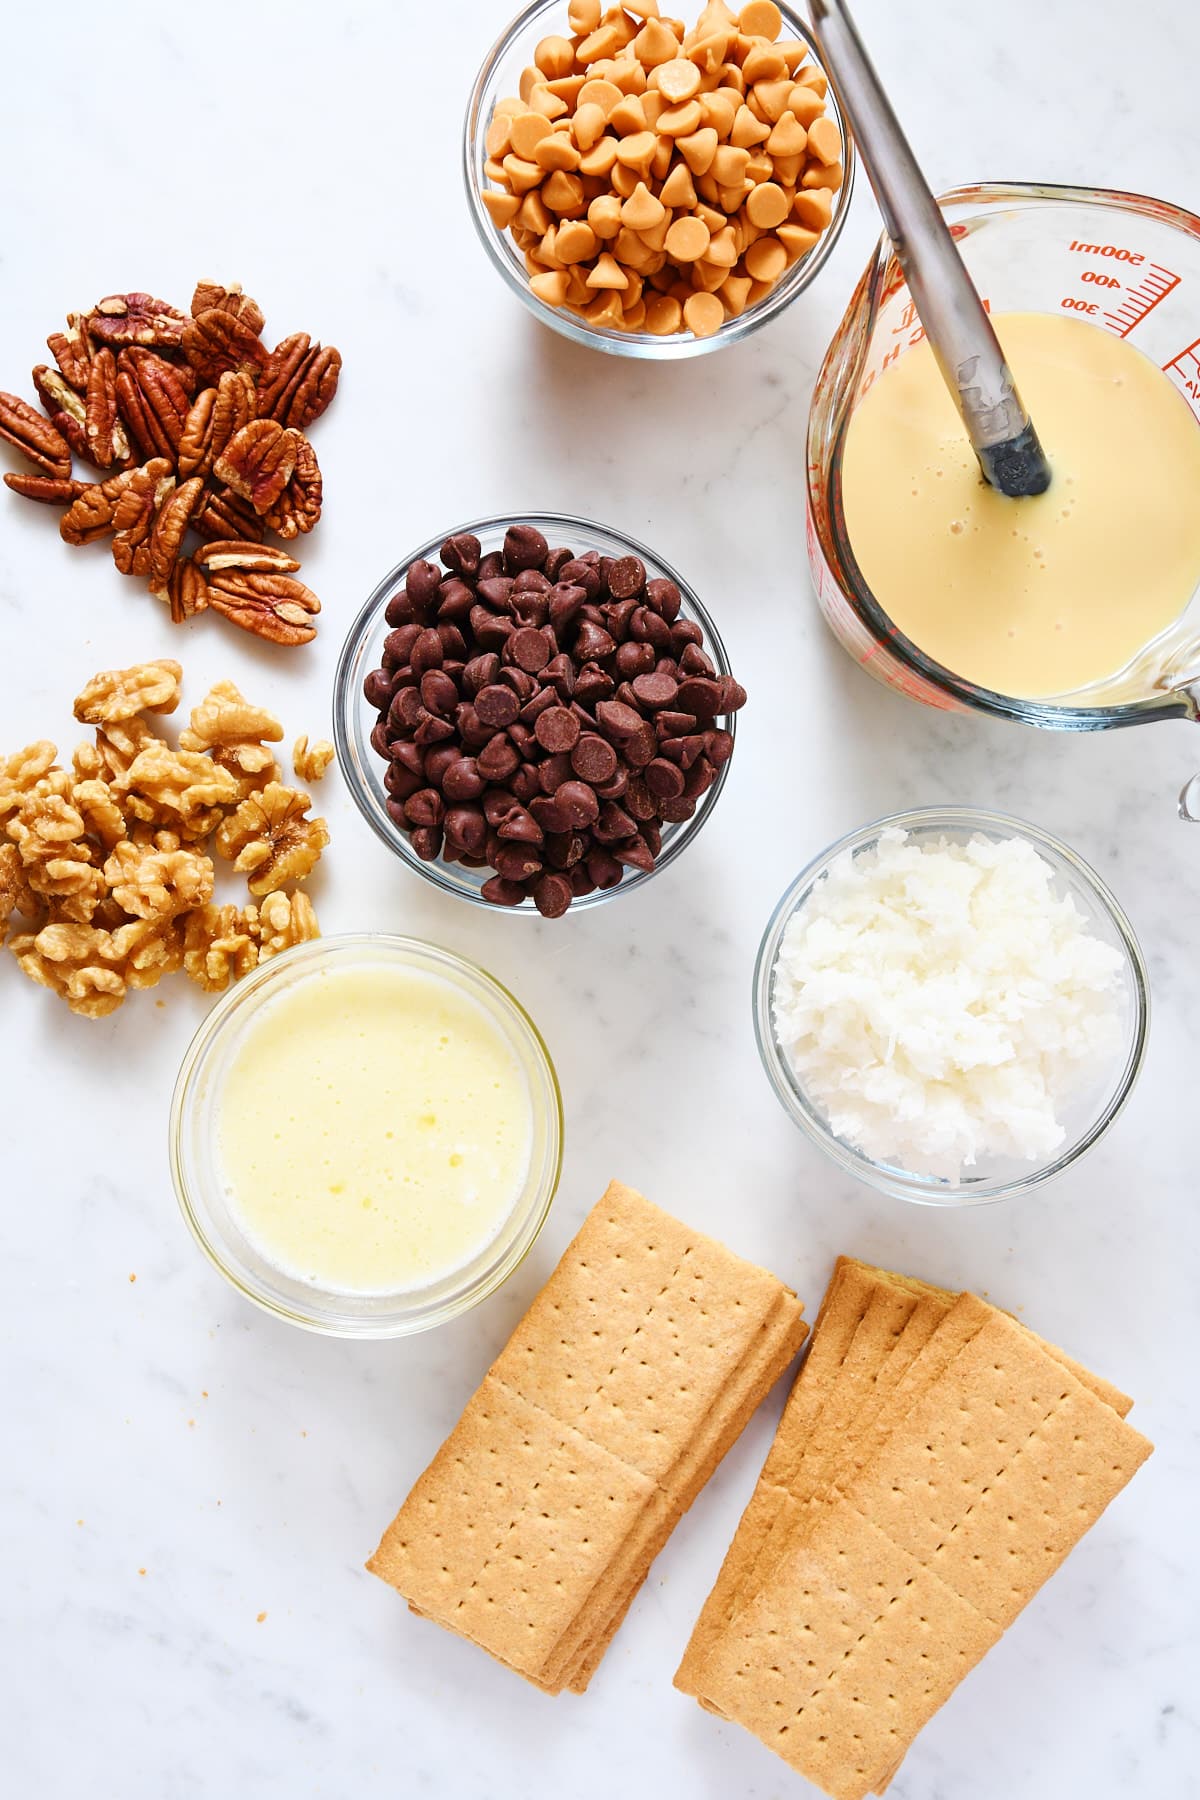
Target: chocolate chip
<point>421,585</point>
<point>700,696</point>
<point>499,892</point>
<point>565,603</point>
<point>557,730</point>
<point>613,824</point>
<point>636,855</point>
<point>565,848</point>
<point>523,738</point>
<point>554,771</point>
<point>578,804</point>
<point>524,548</point>
<point>399,609</point>
<point>626,577</point>
<point>604,869</point>
<point>655,691</point>
<point>466,827</point>
<point>552,895</point>
<point>594,759</point>
<point>634,659</point>
<point>480,672</point>
<point>593,643</point>
<point>675,812</point>
<point>553,818</point>
<point>498,758</point>
<point>491,565</point>
<point>425,807</point>
<point>405,711</point>
<point>462,553</point>
<point>438,692</point>
<point>432,731</point>
<point>520,827</point>
<point>555,562</point>
<point>401,783</point>
<point>462,780</point>
<point>700,778</point>
<point>409,756</point>
<point>497,706</point>
<point>646,627</point>
<point>664,779</point>
<point>377,689</point>
<point>497,804</point>
<point>496,592</point>
<point>665,598</point>
<point>437,761</point>
<point>581,573</point>
<point>592,684</point>
<point>455,601</point>
<point>529,650</point>
<point>616,720</point>
<point>733,695</point>
<point>427,652</point>
<point>718,747</point>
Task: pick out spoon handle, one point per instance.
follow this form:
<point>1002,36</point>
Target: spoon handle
<point>958,328</point>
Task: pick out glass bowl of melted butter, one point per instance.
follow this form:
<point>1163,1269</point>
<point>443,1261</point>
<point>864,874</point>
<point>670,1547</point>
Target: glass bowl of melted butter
<point>366,1136</point>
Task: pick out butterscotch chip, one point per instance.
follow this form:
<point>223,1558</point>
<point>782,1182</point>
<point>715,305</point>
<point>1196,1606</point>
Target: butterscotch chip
<point>663,315</point>
<point>703,314</point>
<point>815,177</point>
<point>768,206</point>
<point>551,286</point>
<point>699,149</point>
<point>678,80</point>
<point>687,240</point>
<point>681,121</point>
<point>502,207</point>
<point>761,18</point>
<point>813,208</point>
<point>608,273</point>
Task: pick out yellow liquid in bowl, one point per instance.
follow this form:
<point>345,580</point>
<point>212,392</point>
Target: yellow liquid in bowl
<point>374,1131</point>
<point>1041,596</point>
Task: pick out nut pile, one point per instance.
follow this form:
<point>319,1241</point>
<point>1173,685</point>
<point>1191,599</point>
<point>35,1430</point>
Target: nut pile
<point>107,866</point>
<point>544,715</point>
<point>195,426</point>
<point>660,180</point>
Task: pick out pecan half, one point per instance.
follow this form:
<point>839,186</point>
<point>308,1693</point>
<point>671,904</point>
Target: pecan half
<point>217,414</point>
<point>187,591</point>
<point>34,436</point>
<point>216,341</point>
<point>136,319</point>
<point>298,508</point>
<point>252,559</point>
<point>72,351</point>
<point>166,539</point>
<point>46,488</point>
<point>64,407</point>
<point>273,607</point>
<point>154,402</point>
<point>135,515</point>
<point>91,515</point>
<point>258,463</point>
<point>107,442</point>
<point>223,515</point>
<point>298,382</point>
<point>214,296</point>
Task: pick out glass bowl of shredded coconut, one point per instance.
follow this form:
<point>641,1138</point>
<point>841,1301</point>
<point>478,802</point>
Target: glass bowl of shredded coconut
<point>952,1004</point>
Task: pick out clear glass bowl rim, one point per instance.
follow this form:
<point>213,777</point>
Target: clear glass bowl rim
<point>926,1191</point>
<point>348,704</point>
<point>409,1315</point>
<point>643,344</point>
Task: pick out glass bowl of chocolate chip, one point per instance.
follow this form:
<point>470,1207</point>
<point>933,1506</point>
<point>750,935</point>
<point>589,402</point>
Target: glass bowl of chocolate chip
<point>535,713</point>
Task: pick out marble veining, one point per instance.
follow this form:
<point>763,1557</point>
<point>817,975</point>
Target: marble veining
<point>188,1489</point>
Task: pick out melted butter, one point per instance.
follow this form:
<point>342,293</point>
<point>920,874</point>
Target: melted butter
<point>1041,596</point>
<point>375,1130</point>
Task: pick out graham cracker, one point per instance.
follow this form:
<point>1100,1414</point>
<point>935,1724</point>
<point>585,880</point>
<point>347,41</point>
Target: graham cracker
<point>846,1301</point>
<point>615,1397</point>
<point>889,1592</point>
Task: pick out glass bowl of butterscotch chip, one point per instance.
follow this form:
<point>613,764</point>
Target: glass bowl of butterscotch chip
<point>653,188</point>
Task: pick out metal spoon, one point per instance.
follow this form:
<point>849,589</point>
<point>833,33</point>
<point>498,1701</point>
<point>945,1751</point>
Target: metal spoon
<point>959,330</point>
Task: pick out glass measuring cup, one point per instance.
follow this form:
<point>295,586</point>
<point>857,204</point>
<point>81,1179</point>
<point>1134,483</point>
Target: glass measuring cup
<point>1126,263</point>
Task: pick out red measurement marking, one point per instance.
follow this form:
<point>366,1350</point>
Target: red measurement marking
<point>1140,301</point>
<point>1187,366</point>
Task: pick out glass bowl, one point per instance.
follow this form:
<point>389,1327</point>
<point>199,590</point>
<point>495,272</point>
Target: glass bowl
<point>353,718</point>
<point>1086,1117</point>
<point>202,1191</point>
<point>499,76</point>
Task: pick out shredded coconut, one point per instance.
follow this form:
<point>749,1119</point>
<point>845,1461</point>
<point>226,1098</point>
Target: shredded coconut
<point>940,1002</point>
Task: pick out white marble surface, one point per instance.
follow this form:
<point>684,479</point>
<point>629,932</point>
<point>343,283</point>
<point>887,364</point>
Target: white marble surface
<point>176,1464</point>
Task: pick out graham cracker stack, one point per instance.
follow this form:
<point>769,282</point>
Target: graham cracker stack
<point>617,1395</point>
<point>935,1463</point>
